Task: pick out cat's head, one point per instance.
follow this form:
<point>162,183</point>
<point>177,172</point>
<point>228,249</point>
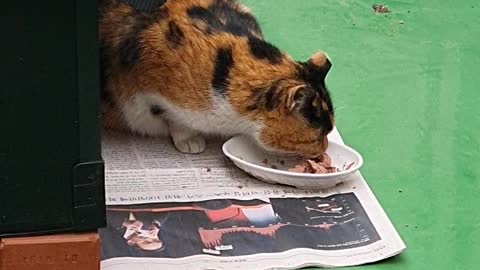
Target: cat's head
<point>298,112</point>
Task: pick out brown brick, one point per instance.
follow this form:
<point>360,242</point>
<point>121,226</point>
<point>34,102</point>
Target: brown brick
<point>56,252</point>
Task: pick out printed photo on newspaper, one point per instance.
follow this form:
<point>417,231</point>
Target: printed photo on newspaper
<point>168,210</point>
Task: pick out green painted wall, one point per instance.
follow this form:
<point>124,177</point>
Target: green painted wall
<point>406,86</point>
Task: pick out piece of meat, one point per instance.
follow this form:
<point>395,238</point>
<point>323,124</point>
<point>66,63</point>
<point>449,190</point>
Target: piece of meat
<point>301,168</point>
<point>319,165</point>
<point>316,168</point>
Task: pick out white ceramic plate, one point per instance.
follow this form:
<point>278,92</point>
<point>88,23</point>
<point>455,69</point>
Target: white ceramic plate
<point>249,157</point>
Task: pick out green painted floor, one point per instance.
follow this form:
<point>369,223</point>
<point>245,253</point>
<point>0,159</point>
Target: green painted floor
<point>406,86</point>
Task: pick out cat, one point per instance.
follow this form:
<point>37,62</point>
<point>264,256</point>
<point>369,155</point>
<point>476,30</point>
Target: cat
<point>191,68</point>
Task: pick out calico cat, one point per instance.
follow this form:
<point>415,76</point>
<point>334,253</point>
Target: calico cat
<point>189,68</point>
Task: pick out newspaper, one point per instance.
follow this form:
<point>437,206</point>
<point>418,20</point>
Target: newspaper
<point>168,210</point>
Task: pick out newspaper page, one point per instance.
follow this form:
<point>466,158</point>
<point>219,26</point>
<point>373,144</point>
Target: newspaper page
<point>168,210</point>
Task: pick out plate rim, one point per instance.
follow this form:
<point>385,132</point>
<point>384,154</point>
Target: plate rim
<point>352,170</point>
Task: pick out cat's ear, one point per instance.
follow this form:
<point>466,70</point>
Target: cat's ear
<point>294,96</point>
<point>319,64</point>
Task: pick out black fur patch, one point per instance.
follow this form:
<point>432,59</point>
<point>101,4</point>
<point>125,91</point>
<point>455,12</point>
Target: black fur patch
<point>271,98</point>
<point>311,113</point>
<point>316,117</point>
<point>328,101</point>
<point>144,5</point>
<point>174,34</point>
<point>129,50</point>
<point>223,64</point>
<point>258,98</point>
<point>251,23</point>
<point>156,110</point>
<point>223,16</point>
<point>252,107</point>
<point>203,14</point>
<point>316,79</point>
<point>264,50</point>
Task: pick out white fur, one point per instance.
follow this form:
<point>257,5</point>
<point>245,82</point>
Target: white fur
<point>186,126</point>
<point>139,118</point>
<point>186,140</point>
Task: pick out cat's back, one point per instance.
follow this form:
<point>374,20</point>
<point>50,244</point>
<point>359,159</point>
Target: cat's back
<point>177,56</point>
<point>125,22</point>
<point>174,45</point>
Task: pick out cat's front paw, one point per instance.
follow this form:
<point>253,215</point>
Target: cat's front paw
<point>193,145</point>
<point>186,140</point>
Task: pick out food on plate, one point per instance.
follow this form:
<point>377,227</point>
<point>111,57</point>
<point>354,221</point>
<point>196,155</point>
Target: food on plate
<point>319,165</point>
